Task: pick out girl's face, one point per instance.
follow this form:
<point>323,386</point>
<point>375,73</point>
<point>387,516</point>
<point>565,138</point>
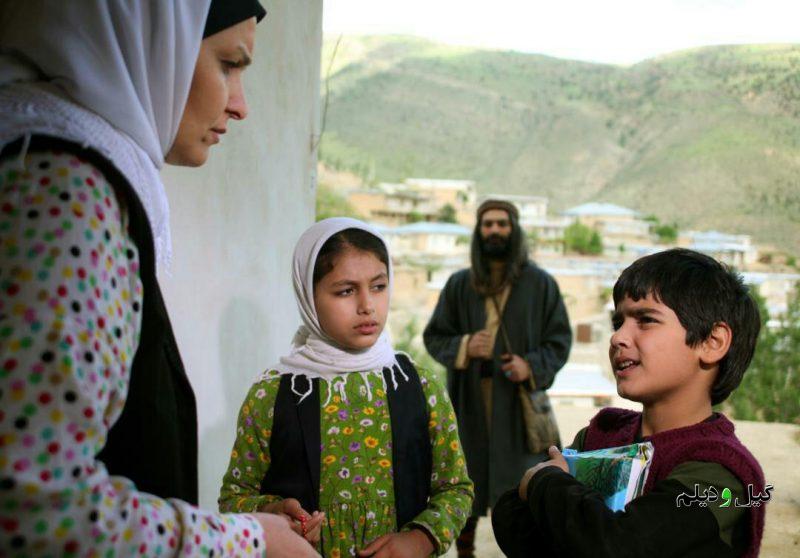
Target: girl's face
<point>216,93</point>
<point>352,300</point>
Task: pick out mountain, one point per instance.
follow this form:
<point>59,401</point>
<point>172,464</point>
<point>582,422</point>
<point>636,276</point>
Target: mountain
<point>708,138</point>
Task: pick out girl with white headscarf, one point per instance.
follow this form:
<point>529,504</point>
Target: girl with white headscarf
<point>98,423</point>
<point>344,434</point>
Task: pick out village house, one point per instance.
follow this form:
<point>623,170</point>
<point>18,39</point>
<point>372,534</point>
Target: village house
<point>433,240</point>
<point>621,229</point>
<point>736,250</point>
<point>458,194</point>
<point>393,204</point>
<point>777,289</point>
<point>416,199</point>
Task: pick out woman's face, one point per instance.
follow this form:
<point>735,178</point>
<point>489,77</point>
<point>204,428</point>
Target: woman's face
<point>216,93</point>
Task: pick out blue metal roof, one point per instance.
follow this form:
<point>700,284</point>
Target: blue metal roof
<point>600,208</point>
<point>381,228</point>
<point>423,227</point>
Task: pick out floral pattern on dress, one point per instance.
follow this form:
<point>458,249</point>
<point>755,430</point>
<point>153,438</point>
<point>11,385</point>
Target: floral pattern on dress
<point>69,327</point>
<point>356,469</point>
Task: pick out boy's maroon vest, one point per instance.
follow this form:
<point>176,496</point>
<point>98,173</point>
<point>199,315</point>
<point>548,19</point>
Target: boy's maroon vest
<point>712,441</point>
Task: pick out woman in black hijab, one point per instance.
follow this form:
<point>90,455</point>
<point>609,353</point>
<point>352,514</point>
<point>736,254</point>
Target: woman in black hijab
<point>98,423</point>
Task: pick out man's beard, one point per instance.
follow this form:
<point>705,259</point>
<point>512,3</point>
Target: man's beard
<point>496,247</point>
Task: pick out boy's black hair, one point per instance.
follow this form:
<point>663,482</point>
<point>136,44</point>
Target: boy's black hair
<point>341,241</point>
<point>702,292</point>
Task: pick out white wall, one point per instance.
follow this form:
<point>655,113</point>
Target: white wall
<point>234,225</point>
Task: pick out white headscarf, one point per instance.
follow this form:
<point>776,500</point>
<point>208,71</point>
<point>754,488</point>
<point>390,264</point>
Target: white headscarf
<point>113,76</point>
<point>314,354</point>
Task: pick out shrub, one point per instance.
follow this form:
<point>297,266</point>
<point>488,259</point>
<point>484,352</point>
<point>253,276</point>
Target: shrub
<point>770,389</point>
<point>332,204</point>
<point>578,238</point>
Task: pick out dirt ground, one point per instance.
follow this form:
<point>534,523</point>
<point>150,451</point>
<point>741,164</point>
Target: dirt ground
<point>777,448</point>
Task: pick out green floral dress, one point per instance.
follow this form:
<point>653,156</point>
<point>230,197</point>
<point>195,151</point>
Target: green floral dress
<point>356,486</point>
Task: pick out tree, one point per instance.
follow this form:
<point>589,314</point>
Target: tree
<point>667,234</point>
<point>770,389</point>
<point>447,214</point>
<point>415,216</point>
<point>580,239</point>
<point>332,204</point>
<point>595,244</point>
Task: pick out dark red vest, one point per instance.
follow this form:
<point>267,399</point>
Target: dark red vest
<point>713,441</point>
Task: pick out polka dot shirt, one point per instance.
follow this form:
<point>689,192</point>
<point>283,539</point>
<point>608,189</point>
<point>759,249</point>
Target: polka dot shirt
<point>70,315</point>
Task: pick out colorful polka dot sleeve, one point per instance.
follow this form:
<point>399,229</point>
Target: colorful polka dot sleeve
<point>70,303</point>
<point>452,490</point>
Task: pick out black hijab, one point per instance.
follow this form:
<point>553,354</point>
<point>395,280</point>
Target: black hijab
<point>225,13</point>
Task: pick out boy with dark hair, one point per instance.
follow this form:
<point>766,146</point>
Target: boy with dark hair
<point>685,332</point>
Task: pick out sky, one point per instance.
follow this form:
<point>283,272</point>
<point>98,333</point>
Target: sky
<point>607,31</point>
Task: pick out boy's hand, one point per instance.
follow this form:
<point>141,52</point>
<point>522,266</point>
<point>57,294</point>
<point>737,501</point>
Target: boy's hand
<point>407,544</point>
<point>479,346</point>
<point>515,368</point>
<point>305,525</point>
<point>556,460</point>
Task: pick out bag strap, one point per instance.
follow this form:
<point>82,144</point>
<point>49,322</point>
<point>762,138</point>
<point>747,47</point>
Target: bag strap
<point>503,331</point>
<point>505,337</point>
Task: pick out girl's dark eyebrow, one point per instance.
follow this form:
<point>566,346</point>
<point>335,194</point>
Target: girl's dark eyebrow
<point>343,282</point>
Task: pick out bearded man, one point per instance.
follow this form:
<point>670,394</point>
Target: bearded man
<point>498,325</point>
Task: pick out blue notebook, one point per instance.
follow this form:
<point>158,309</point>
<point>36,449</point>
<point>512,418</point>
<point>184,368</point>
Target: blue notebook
<point>618,473</point>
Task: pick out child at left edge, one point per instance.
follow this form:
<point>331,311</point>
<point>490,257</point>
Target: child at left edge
<point>345,436</point>
<point>685,330</point>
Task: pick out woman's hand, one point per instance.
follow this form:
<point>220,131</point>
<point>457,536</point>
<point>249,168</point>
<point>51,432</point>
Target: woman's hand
<point>407,544</point>
<point>280,538</point>
<point>308,526</point>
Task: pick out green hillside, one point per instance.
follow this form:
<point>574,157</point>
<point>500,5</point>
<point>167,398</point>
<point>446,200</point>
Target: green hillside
<point>709,137</point>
